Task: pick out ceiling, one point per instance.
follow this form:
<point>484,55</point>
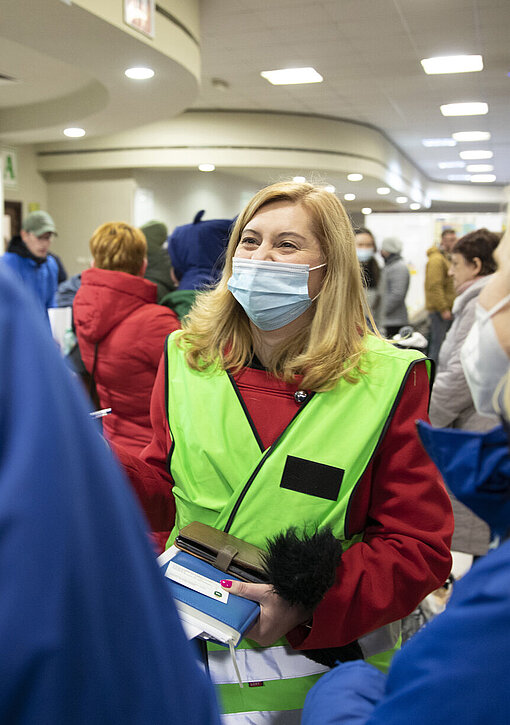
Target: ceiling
<point>368,52</point>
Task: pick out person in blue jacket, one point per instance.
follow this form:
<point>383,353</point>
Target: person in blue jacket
<point>28,255</point>
<point>88,629</point>
<point>455,669</point>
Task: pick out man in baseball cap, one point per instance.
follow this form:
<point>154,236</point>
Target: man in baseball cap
<point>37,232</point>
<point>27,255</point>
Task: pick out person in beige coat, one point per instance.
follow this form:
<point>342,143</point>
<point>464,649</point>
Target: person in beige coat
<point>451,405</point>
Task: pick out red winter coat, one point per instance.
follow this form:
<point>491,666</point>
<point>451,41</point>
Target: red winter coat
<point>117,311</point>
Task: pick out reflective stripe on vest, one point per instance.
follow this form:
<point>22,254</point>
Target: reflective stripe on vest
<point>263,717</point>
<point>264,663</point>
<point>380,640</point>
<point>276,680</point>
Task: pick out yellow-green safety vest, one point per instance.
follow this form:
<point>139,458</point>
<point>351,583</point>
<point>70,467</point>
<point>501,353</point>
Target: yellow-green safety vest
<point>225,478</point>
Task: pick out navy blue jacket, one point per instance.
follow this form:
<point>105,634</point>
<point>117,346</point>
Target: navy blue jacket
<point>88,630</point>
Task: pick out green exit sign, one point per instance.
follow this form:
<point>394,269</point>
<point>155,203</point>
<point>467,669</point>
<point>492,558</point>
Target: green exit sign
<point>10,167</point>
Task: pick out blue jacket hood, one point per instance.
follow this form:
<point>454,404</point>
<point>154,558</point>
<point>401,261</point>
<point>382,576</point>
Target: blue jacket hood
<point>196,251</point>
<point>476,467</point>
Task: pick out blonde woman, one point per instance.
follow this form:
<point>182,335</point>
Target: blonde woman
<point>281,417</point>
<point>121,331</point>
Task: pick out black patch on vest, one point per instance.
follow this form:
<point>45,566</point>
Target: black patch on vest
<point>314,479</point>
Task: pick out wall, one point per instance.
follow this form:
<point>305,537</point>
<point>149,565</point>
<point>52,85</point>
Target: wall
<point>79,205</point>
<point>178,195</point>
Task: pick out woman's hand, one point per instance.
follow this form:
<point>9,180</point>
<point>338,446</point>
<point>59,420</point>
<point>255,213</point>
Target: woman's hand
<point>277,617</point>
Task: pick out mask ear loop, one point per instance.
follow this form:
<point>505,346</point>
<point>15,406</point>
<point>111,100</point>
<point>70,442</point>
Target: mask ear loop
<point>499,394</point>
<point>311,269</point>
<point>498,306</point>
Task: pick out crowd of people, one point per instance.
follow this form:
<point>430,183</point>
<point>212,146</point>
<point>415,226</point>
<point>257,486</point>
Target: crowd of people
<point>188,341</point>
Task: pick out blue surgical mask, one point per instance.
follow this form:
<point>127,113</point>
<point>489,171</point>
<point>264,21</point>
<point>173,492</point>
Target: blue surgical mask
<point>364,255</point>
<point>271,293</point>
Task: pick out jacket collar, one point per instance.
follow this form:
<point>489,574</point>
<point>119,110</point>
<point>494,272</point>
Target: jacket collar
<point>18,246</point>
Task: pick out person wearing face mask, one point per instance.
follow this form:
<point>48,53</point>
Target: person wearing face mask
<point>365,251</point>
<point>278,415</point>
<point>451,405</point>
<point>456,668</point>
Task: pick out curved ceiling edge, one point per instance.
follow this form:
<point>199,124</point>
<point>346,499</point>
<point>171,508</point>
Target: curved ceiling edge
<point>253,140</point>
<point>90,99</point>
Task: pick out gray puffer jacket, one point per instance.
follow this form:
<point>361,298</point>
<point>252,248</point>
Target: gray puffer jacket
<point>395,285</point>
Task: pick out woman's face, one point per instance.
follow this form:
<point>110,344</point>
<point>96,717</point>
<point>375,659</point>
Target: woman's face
<point>364,241</point>
<point>462,270</point>
<point>282,232</point>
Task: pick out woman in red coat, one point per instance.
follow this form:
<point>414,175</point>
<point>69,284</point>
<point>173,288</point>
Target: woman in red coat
<point>121,331</point>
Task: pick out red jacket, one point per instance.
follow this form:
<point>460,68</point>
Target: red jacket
<point>117,311</point>
<point>400,504</point>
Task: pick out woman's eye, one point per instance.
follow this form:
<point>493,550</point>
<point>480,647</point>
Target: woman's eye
<point>248,240</point>
<point>288,245</point>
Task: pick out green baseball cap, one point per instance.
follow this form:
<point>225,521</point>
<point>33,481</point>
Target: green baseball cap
<point>39,222</point>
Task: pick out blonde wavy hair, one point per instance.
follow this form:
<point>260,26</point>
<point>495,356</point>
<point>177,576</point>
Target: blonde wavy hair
<point>217,330</point>
<point>118,246</point>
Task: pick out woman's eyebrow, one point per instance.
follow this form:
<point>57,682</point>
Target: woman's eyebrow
<point>290,234</point>
<point>280,235</point>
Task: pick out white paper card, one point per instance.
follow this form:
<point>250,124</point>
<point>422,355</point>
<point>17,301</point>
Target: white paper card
<point>197,582</point>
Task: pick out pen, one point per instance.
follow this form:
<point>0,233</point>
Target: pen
<point>100,413</point>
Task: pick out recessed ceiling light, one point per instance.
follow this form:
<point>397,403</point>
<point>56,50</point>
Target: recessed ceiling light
<point>291,76</point>
<point>459,177</point>
<point>464,109</point>
<point>206,167</point>
<point>366,210</point>
<point>330,188</point>
<point>139,74</point>
<point>471,136</point>
<point>432,142</point>
<point>349,197</point>
<point>479,168</point>
<point>401,199</point>
<point>299,179</point>
<point>74,132</point>
<point>415,206</point>
<point>383,190</point>
<point>476,154</point>
<point>355,177</point>
<point>451,164</point>
<point>483,178</point>
<point>452,64</point>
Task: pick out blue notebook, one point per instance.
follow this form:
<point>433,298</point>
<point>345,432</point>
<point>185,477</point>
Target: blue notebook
<point>203,605</point>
